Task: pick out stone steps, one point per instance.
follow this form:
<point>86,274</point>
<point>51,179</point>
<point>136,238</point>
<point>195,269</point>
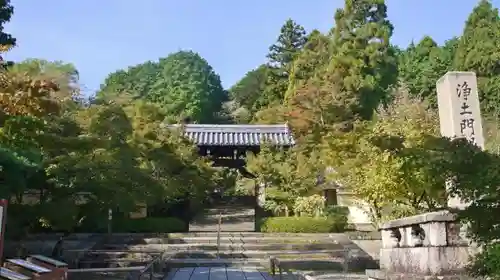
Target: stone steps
<point>226,247</point>
<point>240,254</point>
<point>297,251</point>
<point>242,240</point>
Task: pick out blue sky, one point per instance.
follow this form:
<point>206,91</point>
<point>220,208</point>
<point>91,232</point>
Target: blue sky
<point>100,37</point>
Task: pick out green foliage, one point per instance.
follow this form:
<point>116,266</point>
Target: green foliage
<point>311,60</point>
<point>478,51</point>
<point>421,65</point>
<point>183,84</point>
<point>303,224</point>
<point>288,171</point>
<point>57,153</point>
<point>281,56</point>
<point>334,210</point>
<point>364,64</point>
<point>247,90</point>
<point>6,11</point>
<point>486,263</point>
<point>399,159</point>
<point>309,206</point>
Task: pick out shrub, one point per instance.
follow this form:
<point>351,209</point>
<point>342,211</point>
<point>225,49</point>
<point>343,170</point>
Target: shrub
<point>338,212</point>
<point>486,263</point>
<point>335,210</point>
<point>303,224</point>
<point>150,224</point>
<point>312,206</point>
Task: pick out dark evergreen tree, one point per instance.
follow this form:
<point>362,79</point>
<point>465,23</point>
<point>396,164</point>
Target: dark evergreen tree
<point>364,64</point>
<point>281,56</point>
<point>479,50</point>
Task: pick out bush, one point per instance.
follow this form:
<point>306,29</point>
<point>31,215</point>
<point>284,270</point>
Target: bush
<point>303,224</point>
<point>312,206</point>
<point>150,224</point>
<point>335,210</point>
<point>486,263</point>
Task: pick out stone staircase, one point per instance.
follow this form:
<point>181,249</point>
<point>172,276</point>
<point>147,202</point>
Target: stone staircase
<point>235,217</point>
<point>328,252</point>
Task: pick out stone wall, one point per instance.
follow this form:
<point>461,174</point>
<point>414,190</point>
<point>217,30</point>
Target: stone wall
<point>358,212</point>
<point>427,246</point>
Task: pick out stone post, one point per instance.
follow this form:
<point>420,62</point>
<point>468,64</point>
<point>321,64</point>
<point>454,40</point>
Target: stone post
<point>459,112</point>
<point>260,200</point>
<point>261,194</point>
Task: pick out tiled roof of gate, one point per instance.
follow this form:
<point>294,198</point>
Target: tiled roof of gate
<point>235,135</point>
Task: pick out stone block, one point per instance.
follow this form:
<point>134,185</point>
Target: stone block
<point>424,260</point>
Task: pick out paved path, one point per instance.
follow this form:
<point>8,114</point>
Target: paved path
<point>233,219</point>
<point>218,273</point>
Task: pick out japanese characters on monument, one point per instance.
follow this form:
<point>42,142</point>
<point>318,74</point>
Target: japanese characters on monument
<point>466,118</point>
<point>459,110</point>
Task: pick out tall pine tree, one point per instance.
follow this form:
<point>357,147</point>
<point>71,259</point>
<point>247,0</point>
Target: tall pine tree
<point>364,64</point>
<point>280,60</point>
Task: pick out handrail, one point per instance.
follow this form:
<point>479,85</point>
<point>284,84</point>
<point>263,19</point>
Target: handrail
<point>218,234</point>
<point>275,263</point>
<point>135,272</point>
<point>150,268</point>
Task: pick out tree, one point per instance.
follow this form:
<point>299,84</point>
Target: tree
<point>478,51</point>
<point>86,159</point>
<point>188,87</point>
<point>399,158</point>
<point>421,65</point>
<point>281,56</point>
<point>312,60</point>
<point>183,84</point>
<point>6,40</point>
<point>287,174</point>
<point>364,65</point>
<point>313,111</point>
<point>247,90</point>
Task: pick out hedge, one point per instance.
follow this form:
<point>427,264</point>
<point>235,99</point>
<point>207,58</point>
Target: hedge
<point>303,224</point>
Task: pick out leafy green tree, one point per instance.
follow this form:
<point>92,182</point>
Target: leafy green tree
<point>312,60</point>
<point>399,159</point>
<point>287,174</point>
<point>478,51</point>
<point>188,87</point>
<point>136,81</point>
<point>6,39</point>
<point>421,65</point>
<point>183,84</point>
<point>364,65</point>
<point>247,90</point>
<point>281,56</point>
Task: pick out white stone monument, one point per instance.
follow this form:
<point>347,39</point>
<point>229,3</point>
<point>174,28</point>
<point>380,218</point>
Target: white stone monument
<point>459,112</point>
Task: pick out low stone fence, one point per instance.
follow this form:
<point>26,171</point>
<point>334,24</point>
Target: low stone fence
<point>427,246</point>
